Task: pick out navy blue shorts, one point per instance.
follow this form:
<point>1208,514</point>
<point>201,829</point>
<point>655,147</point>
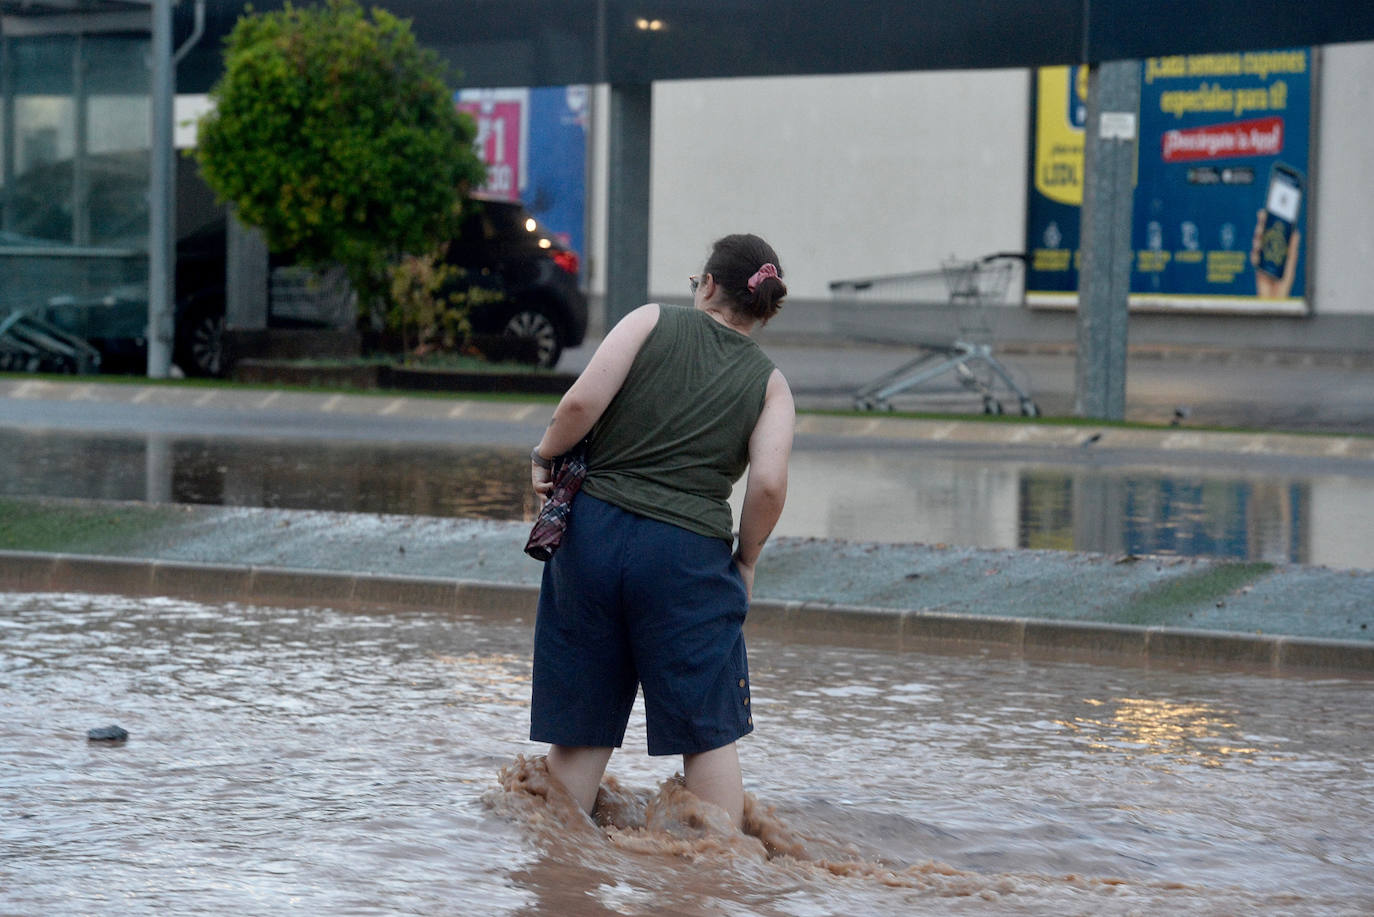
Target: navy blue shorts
<point>629,601</point>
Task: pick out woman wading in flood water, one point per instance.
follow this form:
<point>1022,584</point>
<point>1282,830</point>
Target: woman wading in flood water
<point>645,588</point>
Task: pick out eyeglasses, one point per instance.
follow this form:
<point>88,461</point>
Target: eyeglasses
<point>695,281</point>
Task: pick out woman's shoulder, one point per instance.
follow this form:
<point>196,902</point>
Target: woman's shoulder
<point>639,322</point>
<point>672,312</point>
<point>672,319</point>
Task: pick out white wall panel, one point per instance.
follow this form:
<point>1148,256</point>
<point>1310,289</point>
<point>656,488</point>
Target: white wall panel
<point>1344,192</point>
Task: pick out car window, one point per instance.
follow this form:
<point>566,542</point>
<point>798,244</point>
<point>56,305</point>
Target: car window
<point>505,221</point>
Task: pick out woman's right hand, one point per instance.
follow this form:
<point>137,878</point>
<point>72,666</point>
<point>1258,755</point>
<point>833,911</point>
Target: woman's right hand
<point>746,573</point>
<point>541,479</point>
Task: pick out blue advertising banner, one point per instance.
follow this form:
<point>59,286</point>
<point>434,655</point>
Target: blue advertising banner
<point>1219,211</point>
<point>534,142</point>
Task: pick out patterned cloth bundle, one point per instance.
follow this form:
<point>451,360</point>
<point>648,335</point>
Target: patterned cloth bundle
<point>569,470</point>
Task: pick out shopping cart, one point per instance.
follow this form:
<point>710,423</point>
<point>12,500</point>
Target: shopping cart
<point>889,310</point>
<point>30,344</point>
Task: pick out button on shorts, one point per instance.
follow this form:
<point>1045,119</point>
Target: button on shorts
<point>630,601</point>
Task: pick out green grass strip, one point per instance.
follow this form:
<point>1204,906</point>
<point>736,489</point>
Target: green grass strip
<point>1171,601</point>
<point>80,528</point>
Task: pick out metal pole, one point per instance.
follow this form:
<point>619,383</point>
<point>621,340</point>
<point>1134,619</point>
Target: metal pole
<point>1104,277</point>
<point>161,198</point>
<point>81,181</point>
<point>7,147</point>
<point>627,199</point>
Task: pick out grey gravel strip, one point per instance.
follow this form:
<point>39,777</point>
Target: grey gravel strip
<point>897,629</point>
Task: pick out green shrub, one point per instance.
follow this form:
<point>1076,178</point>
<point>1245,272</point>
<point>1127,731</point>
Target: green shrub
<point>335,133</point>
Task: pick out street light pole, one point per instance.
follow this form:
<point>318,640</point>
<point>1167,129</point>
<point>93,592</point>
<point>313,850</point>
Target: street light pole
<point>161,198</point>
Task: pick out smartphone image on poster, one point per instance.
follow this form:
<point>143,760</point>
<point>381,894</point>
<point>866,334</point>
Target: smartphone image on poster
<point>1282,203</point>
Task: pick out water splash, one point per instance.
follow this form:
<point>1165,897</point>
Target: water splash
<point>686,850</point>
<point>670,822</point>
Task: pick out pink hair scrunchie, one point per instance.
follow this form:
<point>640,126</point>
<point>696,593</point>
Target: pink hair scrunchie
<point>769,269</point>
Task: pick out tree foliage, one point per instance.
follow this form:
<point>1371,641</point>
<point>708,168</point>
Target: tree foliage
<point>423,306</point>
<point>335,133</point>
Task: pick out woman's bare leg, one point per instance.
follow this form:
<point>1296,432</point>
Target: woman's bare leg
<point>579,769</point>
<point>715,777</point>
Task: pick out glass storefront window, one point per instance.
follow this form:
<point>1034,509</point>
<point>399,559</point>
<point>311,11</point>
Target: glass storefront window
<point>118,130</point>
<point>77,111</point>
<point>39,202</point>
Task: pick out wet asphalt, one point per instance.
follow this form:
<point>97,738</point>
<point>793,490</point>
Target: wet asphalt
<point>1151,592</point>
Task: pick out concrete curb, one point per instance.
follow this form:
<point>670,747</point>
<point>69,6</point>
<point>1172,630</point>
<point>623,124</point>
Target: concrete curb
<point>898,629</point>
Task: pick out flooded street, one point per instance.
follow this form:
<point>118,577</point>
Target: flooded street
<point>320,761</point>
<point>317,760</point>
<point>1262,510</point>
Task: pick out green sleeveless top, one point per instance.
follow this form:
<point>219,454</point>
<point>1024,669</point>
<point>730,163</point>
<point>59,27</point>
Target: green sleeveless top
<point>675,438</point>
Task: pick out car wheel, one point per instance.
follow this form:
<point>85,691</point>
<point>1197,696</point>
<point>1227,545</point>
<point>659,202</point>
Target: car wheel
<point>200,342</point>
<point>535,324</point>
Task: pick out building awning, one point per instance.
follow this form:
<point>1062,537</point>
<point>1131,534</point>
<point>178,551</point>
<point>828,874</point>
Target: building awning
<point>561,42</point>
<point>54,17</point>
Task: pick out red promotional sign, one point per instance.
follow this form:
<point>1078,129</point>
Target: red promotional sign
<point>1260,137</point>
<point>500,136</point>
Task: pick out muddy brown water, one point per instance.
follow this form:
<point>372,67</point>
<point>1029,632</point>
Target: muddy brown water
<point>322,761</point>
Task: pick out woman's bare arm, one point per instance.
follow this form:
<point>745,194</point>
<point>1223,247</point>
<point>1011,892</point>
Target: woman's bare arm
<point>584,403</point>
<point>765,490</point>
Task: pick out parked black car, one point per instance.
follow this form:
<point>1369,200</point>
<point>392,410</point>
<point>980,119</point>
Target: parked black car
<point>501,248</point>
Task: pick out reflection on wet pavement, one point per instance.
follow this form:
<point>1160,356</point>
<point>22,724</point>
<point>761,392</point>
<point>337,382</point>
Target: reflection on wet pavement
<point>887,495</point>
<point>1162,730</point>
<point>895,496</point>
<point>410,478</point>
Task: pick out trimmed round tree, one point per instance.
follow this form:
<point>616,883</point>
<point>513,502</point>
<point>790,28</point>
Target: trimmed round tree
<point>336,134</point>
